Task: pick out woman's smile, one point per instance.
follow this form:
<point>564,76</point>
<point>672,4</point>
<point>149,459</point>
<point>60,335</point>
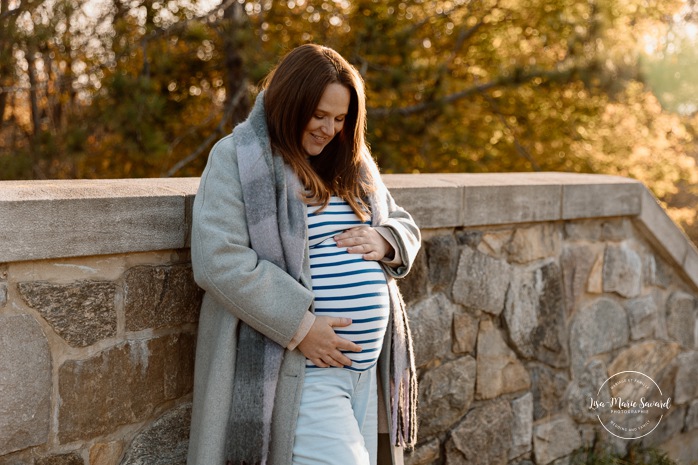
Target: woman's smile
<point>328,119</point>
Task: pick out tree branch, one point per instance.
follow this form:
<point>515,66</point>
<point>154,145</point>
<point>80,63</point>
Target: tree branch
<point>212,137</point>
<point>503,81</point>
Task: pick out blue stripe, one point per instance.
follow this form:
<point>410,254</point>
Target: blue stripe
<point>346,262</point>
<point>334,223</point>
<point>366,341</point>
<point>323,246</point>
<point>318,236</point>
<point>322,255</point>
<point>368,320</point>
<point>327,212</point>
<point>351,297</point>
<point>345,286</point>
<point>365,351</point>
<point>346,273</point>
<point>348,309</point>
<point>363,331</point>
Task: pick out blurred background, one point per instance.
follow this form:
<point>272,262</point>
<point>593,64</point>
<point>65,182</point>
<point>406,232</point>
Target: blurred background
<point>143,88</point>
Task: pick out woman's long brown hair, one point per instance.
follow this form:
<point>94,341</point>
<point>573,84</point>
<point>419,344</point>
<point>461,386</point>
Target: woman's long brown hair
<point>293,91</point>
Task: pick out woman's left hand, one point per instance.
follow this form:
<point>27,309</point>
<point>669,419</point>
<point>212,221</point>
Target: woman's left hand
<point>366,241</point>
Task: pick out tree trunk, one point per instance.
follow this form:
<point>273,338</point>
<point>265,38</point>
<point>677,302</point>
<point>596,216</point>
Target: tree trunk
<point>235,77</point>
<point>33,94</point>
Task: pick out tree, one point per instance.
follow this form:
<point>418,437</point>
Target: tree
<point>459,85</point>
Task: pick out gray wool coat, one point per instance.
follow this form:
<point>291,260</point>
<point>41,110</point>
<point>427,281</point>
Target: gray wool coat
<point>239,286</point>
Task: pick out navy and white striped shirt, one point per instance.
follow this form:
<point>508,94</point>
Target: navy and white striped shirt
<point>346,285</point>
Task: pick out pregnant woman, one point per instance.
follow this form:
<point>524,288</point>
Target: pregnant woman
<point>303,354</point>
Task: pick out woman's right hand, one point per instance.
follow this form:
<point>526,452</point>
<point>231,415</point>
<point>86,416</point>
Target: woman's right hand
<point>323,347</point>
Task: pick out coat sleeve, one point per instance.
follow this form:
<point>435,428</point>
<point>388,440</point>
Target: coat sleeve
<point>256,291</point>
<point>406,235</point>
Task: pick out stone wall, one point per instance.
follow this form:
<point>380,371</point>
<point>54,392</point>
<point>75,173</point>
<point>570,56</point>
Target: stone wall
<point>529,292</point>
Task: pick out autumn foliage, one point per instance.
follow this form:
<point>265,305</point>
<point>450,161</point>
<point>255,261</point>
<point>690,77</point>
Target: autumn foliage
<point>116,88</point>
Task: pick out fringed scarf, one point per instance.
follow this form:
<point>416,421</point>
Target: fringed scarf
<point>276,222</point>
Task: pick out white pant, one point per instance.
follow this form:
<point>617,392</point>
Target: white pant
<point>338,418</point>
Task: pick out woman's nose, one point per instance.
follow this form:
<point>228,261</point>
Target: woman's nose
<point>328,126</point>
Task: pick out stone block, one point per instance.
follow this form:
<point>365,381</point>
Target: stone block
<point>3,294</point>
<point>522,425</point>
<point>682,448</point>
<point>465,327</point>
<point>106,453</point>
<point>692,416</point>
<point>548,389</point>
<point>414,286</point>
<point>642,316</point>
<point>431,328</point>
<point>160,296</point>
<point>425,454</point>
<point>445,395</point>
<point>669,427</point>
<point>470,238</point>
<point>586,386</point>
<point>499,371</point>
<point>650,358</point>
<point>686,378</point>
<point>595,281</point>
<point>63,459</point>
<point>576,261</point>
<point>81,312</point>
<point>164,442</point>
<point>483,437</point>
<point>555,439</point>
<point>597,328</point>
<point>442,260</point>
<point>535,243</point>
<point>535,314</point>
<point>481,281</point>
<point>24,457</point>
<point>598,229</point>
<point>681,318</point>
<point>622,271</point>
<point>494,243</point>
<point>613,196</point>
<point>25,384</point>
<point>122,385</point>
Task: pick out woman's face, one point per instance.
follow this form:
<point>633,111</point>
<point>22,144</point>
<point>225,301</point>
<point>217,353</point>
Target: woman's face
<point>328,119</point>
